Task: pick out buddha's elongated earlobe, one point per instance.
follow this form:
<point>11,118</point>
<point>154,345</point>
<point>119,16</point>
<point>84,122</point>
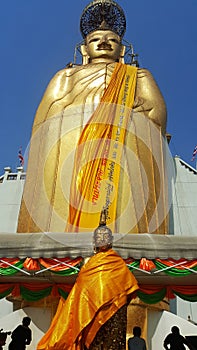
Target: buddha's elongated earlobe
<point>122,53</point>
<point>85,57</point>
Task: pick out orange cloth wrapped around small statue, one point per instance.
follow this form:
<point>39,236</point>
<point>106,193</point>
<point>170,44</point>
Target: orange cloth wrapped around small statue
<point>102,288</point>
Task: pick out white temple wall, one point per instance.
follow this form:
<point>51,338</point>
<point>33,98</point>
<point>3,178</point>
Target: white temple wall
<point>184,219</point>
<point>11,189</point>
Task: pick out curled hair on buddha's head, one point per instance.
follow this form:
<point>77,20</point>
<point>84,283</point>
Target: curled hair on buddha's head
<point>103,15</point>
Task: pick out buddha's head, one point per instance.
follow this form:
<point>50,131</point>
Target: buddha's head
<point>102,26</point>
<point>103,46</point>
<point>102,238</point>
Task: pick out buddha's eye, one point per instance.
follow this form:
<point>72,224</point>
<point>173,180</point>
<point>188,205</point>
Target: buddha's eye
<point>93,40</point>
<point>114,40</point>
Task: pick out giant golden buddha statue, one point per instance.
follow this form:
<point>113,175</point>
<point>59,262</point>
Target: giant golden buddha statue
<point>98,140</point>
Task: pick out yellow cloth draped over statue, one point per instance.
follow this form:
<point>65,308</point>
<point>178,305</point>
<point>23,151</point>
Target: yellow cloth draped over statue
<point>102,287</point>
<point>98,156</point>
<point>57,194</point>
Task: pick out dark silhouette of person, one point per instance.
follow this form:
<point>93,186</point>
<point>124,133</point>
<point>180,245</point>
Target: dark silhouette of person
<point>136,342</point>
<point>3,337</point>
<point>21,336</point>
<point>175,341</point>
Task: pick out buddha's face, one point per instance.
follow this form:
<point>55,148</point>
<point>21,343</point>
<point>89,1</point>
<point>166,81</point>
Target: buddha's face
<point>103,45</point>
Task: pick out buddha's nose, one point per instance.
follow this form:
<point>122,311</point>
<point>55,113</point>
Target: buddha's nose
<point>104,39</point>
<point>104,44</point>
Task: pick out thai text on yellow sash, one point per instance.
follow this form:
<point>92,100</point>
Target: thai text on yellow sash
<point>98,155</point>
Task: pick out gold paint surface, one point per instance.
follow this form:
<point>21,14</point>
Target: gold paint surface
<point>68,103</point>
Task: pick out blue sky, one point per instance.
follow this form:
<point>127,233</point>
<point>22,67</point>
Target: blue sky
<point>38,38</point>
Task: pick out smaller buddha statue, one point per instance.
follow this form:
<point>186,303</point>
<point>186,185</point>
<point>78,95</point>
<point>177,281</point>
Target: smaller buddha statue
<point>94,316</point>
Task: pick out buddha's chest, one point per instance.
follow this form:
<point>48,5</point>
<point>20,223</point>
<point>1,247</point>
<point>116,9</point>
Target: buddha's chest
<point>89,83</point>
<point>80,90</point>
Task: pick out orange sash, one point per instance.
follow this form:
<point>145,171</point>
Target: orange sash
<point>97,160</point>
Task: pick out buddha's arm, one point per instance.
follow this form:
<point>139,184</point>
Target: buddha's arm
<point>149,99</point>
<point>54,92</point>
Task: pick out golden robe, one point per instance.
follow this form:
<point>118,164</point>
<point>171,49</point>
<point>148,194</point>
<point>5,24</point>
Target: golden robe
<point>102,287</point>
<point>139,198</point>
